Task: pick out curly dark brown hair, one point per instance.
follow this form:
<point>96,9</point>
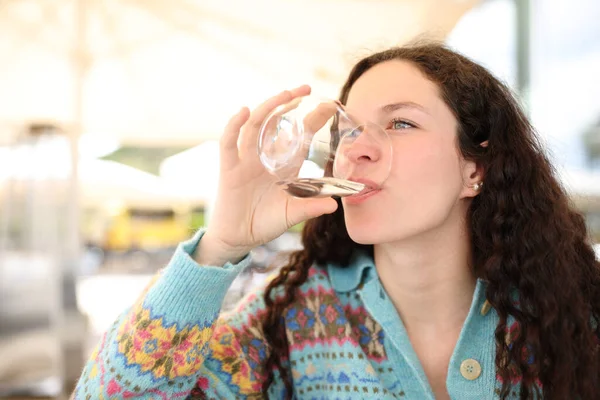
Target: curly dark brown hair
<point>526,237</point>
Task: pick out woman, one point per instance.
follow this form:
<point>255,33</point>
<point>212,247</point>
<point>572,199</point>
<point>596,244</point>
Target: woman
<point>466,275</point>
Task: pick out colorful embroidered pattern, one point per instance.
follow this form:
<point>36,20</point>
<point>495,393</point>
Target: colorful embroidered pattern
<point>318,317</point>
<point>515,379</point>
<point>367,331</point>
<point>238,355</point>
<point>166,352</point>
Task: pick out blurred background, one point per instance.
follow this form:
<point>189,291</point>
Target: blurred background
<point>110,112</point>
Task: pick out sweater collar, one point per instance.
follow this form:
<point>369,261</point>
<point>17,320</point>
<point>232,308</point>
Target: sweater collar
<point>346,278</point>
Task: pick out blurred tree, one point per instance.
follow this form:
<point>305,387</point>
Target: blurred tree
<point>145,158</point>
<point>591,141</point>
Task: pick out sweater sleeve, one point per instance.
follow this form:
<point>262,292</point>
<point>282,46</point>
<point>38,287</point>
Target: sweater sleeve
<point>173,343</point>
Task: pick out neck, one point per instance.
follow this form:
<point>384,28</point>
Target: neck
<point>429,278</point>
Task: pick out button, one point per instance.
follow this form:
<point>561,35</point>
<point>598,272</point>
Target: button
<point>470,369</point>
<point>485,308</point>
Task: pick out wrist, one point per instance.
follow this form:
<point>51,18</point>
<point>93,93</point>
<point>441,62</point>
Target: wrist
<point>214,252</point>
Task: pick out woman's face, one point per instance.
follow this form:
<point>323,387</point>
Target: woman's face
<point>429,178</point>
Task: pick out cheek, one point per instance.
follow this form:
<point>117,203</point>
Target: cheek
<point>424,186</point>
<point>424,164</point>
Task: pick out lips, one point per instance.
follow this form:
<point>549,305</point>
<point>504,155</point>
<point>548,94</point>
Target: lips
<point>369,185</point>
<point>371,189</point>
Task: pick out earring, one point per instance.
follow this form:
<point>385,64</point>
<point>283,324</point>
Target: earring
<point>477,186</point>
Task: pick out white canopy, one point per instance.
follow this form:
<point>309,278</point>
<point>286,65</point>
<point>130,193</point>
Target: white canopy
<point>157,72</point>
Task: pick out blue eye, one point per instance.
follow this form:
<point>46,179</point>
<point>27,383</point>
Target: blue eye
<point>398,124</point>
<point>355,132</point>
<point>350,132</point>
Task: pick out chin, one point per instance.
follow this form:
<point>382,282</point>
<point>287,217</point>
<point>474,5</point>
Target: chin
<point>378,228</point>
<point>363,238</point>
<point>365,230</point>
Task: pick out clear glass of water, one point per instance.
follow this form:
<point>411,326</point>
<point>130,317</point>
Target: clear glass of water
<point>317,149</point>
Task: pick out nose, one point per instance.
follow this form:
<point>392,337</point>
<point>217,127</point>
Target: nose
<point>362,146</point>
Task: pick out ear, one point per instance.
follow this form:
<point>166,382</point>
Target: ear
<point>472,177</point>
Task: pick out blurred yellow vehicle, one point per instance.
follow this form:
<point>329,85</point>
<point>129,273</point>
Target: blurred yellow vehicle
<point>127,228</point>
<point>148,229</point>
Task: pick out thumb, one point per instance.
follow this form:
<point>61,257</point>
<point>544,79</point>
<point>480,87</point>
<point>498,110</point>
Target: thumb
<point>302,209</point>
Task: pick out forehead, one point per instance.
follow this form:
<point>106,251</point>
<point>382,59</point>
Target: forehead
<point>391,82</point>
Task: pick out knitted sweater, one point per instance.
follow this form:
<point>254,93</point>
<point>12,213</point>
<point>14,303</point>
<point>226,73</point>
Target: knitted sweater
<point>346,341</point>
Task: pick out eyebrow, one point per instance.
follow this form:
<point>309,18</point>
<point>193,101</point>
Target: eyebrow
<point>404,104</point>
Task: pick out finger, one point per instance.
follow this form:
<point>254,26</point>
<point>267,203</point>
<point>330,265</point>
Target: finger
<point>303,90</point>
<point>295,102</point>
<point>314,122</point>
<point>249,136</point>
<point>252,129</point>
<point>316,119</point>
<point>300,210</point>
<point>228,142</point>
<point>260,113</point>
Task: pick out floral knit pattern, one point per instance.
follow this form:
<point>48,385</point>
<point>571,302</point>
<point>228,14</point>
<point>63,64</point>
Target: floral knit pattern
<point>237,354</point>
<point>164,351</point>
<point>318,317</point>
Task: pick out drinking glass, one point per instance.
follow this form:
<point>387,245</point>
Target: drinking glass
<point>316,148</point>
